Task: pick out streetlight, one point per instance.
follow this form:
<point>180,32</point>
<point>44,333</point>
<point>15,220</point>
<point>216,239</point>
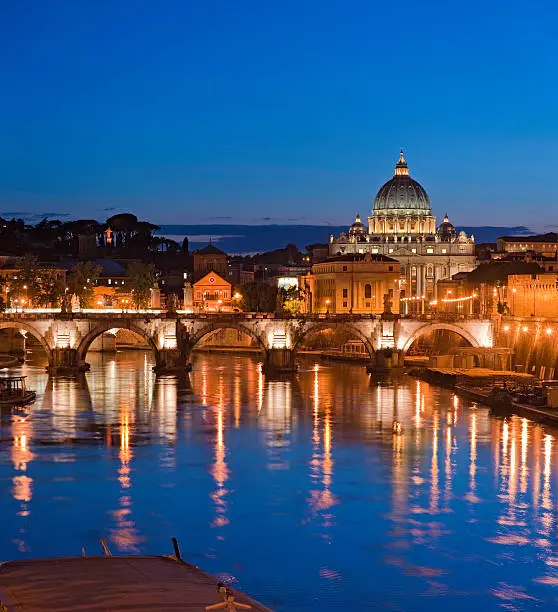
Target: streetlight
<point>220,302</point>
<point>328,301</point>
<point>26,294</point>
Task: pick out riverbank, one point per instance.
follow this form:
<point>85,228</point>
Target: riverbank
<point>496,397</point>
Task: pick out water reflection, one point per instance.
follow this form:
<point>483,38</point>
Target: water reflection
<point>227,454</point>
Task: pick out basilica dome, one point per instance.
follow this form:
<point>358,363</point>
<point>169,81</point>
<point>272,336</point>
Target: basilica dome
<point>446,230</point>
<point>357,228</point>
<point>402,195</point>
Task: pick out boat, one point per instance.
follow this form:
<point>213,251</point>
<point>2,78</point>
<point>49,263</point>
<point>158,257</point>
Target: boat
<point>116,583</point>
<point>9,361</point>
<point>14,392</point>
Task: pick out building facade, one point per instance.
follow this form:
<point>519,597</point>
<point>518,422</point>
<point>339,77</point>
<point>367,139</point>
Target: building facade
<point>353,284</point>
<point>533,295</point>
<point>403,227</point>
<point>545,244</point>
<point>212,293</point>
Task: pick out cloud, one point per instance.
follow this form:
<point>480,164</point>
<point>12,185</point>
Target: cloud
<point>30,216</point>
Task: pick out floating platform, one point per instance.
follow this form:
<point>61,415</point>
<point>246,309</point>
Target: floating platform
<point>115,583</point>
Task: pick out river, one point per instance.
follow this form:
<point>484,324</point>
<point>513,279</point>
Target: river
<point>297,490</point>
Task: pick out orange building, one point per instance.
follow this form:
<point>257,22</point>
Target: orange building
<point>212,293</point>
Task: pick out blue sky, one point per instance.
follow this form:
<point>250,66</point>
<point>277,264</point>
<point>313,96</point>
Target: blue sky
<point>240,111</point>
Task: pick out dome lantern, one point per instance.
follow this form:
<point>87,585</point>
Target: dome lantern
<point>402,195</point>
<point>401,168</point>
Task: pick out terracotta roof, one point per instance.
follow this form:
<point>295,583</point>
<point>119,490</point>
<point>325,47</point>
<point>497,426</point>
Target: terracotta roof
<point>91,584</point>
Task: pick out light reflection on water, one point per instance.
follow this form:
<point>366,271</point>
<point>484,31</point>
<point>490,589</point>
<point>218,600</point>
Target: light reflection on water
<point>296,488</point>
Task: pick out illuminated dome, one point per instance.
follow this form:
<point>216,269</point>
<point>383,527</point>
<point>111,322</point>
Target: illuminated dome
<point>357,228</point>
<point>446,231</point>
<point>402,195</point>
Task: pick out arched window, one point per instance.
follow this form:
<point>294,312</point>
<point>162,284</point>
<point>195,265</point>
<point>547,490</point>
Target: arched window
<point>367,291</point>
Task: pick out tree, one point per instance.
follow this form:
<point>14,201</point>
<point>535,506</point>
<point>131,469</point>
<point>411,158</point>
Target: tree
<point>82,280</point>
<point>259,297</point>
<point>291,299</point>
<point>142,278</point>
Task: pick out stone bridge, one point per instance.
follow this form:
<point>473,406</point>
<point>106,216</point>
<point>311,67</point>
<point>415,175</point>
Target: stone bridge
<point>172,337</point>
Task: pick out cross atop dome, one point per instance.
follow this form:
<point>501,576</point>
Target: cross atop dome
<point>401,167</point>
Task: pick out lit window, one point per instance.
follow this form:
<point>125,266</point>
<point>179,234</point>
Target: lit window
<point>374,250</point>
<point>391,250</point>
<point>413,250</point>
<point>444,250</point>
<point>430,250</point>
<point>110,281</point>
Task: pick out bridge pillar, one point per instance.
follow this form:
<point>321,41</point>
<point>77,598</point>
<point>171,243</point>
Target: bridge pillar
<point>66,361</point>
<point>279,361</point>
<point>171,361</point>
<point>386,360</point>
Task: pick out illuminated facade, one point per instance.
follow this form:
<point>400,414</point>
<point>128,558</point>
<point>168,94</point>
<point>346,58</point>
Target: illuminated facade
<point>353,284</point>
<point>212,293</point>
<point>403,227</point>
<point>533,295</point>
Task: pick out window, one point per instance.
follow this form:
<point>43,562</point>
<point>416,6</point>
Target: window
<point>391,250</point>
<point>390,268</point>
<point>430,250</point>
<point>444,250</point>
<point>345,293</point>
<point>374,251</point>
<point>413,250</point>
<point>367,291</point>
<point>344,304</point>
<point>344,268</point>
<point>367,304</point>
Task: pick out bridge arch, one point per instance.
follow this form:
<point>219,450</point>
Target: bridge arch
<point>196,337</point>
<point>430,327</point>
<point>322,326</point>
<point>21,325</point>
<point>104,327</point>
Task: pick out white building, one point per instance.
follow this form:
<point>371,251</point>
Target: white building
<point>402,226</point>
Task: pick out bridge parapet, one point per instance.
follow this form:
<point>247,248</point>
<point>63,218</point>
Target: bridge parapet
<point>172,337</point>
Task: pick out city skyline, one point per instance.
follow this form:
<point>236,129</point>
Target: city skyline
<point>291,115</point>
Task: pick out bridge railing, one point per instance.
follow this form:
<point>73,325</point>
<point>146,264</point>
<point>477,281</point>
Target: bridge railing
<point>117,314</point>
<point>448,317</point>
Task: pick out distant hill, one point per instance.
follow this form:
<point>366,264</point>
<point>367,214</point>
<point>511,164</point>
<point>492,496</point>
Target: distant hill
<point>260,238</point>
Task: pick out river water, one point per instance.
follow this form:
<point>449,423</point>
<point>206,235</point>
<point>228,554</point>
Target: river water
<point>295,490</point>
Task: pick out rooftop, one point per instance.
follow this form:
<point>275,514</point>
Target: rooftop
<point>548,237</point>
<point>210,250</point>
<point>358,257</point>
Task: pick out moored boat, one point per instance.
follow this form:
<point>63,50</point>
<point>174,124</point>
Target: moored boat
<point>14,391</point>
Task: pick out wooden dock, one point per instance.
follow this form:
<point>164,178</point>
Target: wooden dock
<point>112,583</point>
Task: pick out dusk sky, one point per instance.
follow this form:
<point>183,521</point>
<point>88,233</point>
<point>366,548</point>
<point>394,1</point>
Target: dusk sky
<point>278,111</point>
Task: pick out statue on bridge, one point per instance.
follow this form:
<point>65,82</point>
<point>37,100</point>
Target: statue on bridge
<point>387,314</point>
<point>66,304</point>
<point>172,303</point>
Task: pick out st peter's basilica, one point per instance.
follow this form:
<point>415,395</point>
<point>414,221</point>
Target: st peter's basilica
<point>403,227</point>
